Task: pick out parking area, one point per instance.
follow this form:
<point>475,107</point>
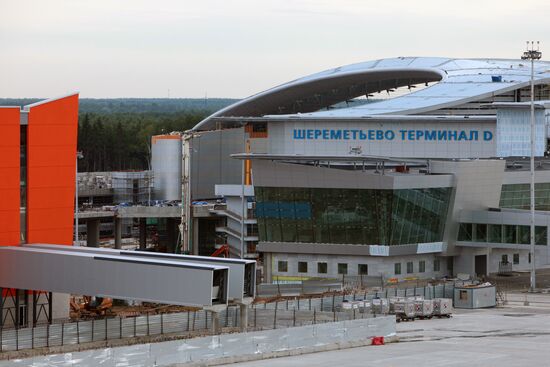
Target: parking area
<point>514,335</point>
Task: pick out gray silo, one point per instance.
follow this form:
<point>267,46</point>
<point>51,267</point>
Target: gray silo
<point>166,166</point>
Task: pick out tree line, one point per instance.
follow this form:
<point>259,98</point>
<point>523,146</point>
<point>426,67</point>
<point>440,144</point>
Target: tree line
<point>121,141</point>
<point>115,134</point>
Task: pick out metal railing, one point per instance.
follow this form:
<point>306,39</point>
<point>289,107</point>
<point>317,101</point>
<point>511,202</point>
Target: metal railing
<point>68,333</point>
<point>261,316</point>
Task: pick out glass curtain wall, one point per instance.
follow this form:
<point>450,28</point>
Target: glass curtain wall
<point>502,233</point>
<point>351,216</point>
<point>517,196</point>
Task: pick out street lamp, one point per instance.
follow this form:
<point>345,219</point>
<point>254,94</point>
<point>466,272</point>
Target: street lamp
<point>79,155</point>
<point>532,54</point>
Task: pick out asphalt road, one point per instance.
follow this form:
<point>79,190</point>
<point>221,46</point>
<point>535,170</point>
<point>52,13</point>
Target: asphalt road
<point>515,335</point>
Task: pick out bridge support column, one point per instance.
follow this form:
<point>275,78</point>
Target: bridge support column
<point>216,327</point>
<point>118,232</point>
<point>171,234</point>
<point>244,316</point>
<point>142,233</point>
<point>195,236</point>
<point>92,232</point>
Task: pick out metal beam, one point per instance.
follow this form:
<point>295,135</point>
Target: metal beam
<point>242,273</point>
<point>116,276</point>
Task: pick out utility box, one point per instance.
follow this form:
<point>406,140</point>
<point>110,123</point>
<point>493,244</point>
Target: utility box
<point>478,296</point>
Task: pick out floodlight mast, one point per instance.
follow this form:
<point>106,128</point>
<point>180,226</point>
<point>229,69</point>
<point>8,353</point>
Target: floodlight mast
<point>532,54</point>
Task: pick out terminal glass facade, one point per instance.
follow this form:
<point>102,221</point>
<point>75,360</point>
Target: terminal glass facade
<point>517,196</point>
<point>351,216</point>
<point>501,233</point>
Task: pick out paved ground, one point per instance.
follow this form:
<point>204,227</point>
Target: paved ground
<point>521,280</point>
<point>515,335</point>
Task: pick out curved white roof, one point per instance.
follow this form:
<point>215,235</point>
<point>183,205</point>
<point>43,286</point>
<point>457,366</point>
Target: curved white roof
<point>457,81</point>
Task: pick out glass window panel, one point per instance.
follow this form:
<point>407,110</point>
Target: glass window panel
<point>352,216</point>
<point>410,267</point>
<point>302,266</point>
<point>437,265</point>
<point>342,268</point>
<point>524,235</point>
<point>288,230</point>
<point>282,266</point>
<point>481,232</point>
<point>362,269</point>
<point>397,268</point>
<point>421,266</point>
<point>322,268</point>
<point>273,230</point>
<point>516,258</point>
<point>465,232</point>
<point>541,235</point>
<point>495,233</point>
<point>509,233</point>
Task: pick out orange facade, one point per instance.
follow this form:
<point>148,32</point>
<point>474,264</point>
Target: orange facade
<point>51,158</point>
<point>10,233</point>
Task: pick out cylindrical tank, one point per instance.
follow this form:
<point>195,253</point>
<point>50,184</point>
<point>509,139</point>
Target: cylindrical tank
<point>166,166</point>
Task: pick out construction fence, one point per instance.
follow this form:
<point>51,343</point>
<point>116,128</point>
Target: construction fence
<point>183,324</point>
<point>261,316</point>
<point>332,301</point>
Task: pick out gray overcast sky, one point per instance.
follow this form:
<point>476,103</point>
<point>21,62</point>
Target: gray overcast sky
<point>137,48</point>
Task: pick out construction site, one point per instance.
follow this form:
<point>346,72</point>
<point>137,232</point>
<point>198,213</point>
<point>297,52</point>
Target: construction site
<point>286,223</point>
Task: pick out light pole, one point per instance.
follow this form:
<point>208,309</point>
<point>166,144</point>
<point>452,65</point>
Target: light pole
<point>532,54</point>
<point>79,155</point>
<point>243,170</point>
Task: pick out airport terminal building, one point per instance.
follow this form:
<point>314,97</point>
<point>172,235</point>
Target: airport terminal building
<point>405,167</point>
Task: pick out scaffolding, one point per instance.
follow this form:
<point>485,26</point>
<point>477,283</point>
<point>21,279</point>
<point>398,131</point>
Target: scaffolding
<point>132,186</point>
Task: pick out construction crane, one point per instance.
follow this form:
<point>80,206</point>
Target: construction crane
<point>222,250</point>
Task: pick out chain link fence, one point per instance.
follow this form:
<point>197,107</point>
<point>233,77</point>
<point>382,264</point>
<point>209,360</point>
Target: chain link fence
<point>184,323</point>
<point>261,316</point>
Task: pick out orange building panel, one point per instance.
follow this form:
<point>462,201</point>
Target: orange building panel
<point>51,152</point>
<point>10,233</point>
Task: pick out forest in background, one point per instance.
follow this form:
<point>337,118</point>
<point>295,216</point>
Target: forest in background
<point>115,134</point>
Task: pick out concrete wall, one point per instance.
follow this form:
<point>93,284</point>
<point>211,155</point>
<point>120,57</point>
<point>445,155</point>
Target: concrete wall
<point>227,347</point>
<point>211,163</point>
<point>377,265</point>
<point>477,186</point>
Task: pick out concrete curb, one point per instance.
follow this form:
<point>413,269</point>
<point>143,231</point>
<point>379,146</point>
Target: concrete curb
<point>285,353</point>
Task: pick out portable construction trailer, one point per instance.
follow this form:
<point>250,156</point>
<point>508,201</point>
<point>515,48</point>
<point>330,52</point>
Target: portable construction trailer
<point>475,296</point>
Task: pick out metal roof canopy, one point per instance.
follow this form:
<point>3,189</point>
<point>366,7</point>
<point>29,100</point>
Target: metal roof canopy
<point>328,158</point>
<point>116,276</point>
<point>458,81</point>
<point>366,118</point>
<point>242,273</point>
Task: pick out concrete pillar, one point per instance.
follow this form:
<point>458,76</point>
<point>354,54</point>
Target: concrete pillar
<point>216,327</point>
<point>244,317</point>
<point>142,233</point>
<point>195,237</point>
<point>92,232</point>
<point>118,232</point>
<point>267,267</point>
<point>171,234</point>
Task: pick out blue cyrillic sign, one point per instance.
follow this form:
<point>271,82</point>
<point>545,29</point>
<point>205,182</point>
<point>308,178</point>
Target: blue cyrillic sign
<point>403,135</point>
